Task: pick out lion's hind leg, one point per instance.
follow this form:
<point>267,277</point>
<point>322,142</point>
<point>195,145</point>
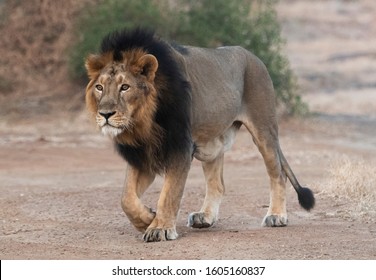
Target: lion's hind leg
<point>208,214</point>
<point>266,139</point>
<point>278,169</point>
<point>211,154</point>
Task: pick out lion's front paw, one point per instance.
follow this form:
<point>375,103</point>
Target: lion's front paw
<point>160,234</point>
<point>200,220</point>
<point>143,220</point>
<point>275,221</point>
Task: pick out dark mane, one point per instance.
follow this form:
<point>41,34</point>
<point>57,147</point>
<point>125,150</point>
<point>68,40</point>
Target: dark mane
<point>174,100</point>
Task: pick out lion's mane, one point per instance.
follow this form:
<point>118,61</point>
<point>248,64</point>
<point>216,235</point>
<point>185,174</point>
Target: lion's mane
<point>173,111</point>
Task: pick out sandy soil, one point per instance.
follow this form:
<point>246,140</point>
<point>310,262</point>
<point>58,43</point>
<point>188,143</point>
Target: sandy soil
<point>61,182</point>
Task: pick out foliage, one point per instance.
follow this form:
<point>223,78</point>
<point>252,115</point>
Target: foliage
<point>250,23</point>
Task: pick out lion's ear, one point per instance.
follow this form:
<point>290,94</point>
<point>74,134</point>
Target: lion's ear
<point>95,63</point>
<point>148,64</point>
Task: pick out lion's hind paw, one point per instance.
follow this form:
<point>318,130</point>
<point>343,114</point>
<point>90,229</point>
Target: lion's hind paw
<point>274,221</point>
<point>199,220</point>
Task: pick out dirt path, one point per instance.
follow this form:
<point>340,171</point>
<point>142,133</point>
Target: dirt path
<point>60,200</point>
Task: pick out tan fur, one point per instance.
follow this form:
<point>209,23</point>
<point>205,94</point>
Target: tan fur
<point>230,87</point>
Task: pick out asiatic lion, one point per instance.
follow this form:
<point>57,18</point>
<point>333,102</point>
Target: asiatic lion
<point>164,104</point>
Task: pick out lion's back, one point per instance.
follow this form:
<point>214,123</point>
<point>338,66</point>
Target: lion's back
<point>218,78</point>
<point>216,65</point>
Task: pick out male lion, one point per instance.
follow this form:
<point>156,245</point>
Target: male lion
<point>164,104</point>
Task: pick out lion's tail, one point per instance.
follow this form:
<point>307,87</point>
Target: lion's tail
<point>305,195</point>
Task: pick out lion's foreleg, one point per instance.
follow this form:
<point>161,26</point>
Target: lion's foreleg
<point>163,227</point>
<point>136,183</point>
<point>214,191</point>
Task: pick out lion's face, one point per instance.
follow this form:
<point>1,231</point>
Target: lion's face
<point>121,95</point>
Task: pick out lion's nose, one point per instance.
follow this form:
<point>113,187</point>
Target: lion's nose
<point>107,115</point>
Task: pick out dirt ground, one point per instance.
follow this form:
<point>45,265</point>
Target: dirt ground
<point>61,182</point>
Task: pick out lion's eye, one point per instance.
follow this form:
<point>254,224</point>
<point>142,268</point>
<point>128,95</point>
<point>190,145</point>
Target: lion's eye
<point>99,87</point>
<point>124,87</point>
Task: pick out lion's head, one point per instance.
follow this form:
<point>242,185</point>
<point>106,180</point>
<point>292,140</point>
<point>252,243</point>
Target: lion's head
<point>139,96</point>
<point>121,95</point>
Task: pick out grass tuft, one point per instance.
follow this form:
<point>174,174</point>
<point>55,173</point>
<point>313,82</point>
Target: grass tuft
<point>354,182</point>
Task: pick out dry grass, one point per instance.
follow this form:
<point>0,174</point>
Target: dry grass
<point>353,182</point>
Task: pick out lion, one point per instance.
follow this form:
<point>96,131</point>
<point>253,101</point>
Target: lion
<point>164,104</point>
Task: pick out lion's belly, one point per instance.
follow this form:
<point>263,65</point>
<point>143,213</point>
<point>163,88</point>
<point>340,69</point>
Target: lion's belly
<point>209,150</point>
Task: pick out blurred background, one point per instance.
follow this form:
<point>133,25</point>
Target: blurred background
<point>321,54</point>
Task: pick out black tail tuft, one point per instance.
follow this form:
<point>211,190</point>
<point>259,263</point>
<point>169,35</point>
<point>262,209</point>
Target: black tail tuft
<point>306,198</point>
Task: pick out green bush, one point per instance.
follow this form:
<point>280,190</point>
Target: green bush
<point>250,23</point>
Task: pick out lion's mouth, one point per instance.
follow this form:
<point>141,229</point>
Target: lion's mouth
<point>113,127</point>
<point>110,130</point>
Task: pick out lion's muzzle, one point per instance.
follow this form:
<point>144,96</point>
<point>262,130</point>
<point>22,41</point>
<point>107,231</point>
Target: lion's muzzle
<point>107,124</point>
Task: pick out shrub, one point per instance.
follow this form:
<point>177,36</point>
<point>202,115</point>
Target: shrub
<point>250,23</point>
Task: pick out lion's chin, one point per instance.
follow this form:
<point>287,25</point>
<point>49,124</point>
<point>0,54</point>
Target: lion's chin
<point>111,131</point>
